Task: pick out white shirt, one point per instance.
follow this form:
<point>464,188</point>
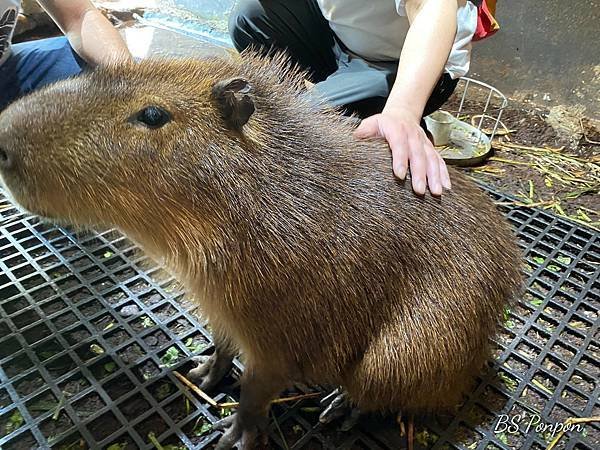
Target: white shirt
<point>375,30</point>
<point>9,12</point>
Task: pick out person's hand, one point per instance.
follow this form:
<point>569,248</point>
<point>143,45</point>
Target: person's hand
<point>410,146</point>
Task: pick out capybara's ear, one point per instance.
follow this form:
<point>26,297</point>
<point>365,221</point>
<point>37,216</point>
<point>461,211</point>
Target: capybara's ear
<point>233,101</point>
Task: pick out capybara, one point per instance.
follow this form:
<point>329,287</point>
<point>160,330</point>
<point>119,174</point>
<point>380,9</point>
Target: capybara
<point>304,251</point>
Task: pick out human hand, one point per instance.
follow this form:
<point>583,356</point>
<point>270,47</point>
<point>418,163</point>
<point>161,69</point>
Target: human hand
<point>410,146</point>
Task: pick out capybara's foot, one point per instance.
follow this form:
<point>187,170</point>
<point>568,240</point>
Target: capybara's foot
<point>210,370</point>
<point>336,405</point>
<point>339,405</point>
<point>232,433</point>
<point>236,435</point>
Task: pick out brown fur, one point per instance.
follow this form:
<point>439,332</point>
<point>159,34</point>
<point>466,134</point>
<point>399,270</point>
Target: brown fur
<point>303,249</point>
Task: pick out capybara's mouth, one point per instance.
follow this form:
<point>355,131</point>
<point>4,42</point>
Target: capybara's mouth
<point>20,188</point>
<point>15,193</point>
<point>24,207</point>
<point>9,193</point>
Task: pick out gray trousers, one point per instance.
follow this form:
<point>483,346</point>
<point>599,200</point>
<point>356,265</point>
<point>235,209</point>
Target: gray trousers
<point>345,80</point>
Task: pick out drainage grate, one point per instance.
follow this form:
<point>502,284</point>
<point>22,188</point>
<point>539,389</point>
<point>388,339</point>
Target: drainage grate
<point>90,331</point>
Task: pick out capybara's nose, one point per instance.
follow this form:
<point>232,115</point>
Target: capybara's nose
<point>6,159</point>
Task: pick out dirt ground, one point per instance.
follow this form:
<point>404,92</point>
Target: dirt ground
<point>548,159</point>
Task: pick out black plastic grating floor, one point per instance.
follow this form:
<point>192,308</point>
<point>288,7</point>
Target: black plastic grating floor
<point>87,323</point>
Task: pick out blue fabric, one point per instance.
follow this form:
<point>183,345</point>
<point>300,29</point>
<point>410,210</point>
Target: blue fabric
<point>34,64</point>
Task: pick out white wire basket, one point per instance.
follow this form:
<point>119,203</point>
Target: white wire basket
<point>468,143</point>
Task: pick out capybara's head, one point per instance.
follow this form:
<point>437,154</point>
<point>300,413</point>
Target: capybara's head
<point>126,145</point>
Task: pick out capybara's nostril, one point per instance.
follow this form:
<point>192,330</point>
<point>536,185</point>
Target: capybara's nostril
<point>6,160</point>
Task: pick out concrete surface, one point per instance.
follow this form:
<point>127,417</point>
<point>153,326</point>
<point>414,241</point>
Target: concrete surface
<point>144,41</point>
<point>547,52</point>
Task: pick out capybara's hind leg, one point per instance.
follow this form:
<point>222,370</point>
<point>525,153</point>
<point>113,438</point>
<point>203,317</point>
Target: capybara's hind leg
<point>250,421</point>
<point>380,380</point>
<point>211,369</point>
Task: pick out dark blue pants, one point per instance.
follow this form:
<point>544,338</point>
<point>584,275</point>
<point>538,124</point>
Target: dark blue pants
<point>34,64</point>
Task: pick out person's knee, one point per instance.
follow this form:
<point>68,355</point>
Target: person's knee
<point>44,61</point>
<point>243,22</point>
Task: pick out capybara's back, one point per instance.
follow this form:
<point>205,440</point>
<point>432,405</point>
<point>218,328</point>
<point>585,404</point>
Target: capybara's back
<point>303,249</point>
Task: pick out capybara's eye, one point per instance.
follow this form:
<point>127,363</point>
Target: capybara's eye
<point>153,117</point>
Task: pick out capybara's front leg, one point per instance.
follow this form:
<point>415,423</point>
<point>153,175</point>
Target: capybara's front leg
<point>243,428</point>
<point>211,369</point>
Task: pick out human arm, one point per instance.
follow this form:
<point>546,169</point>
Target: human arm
<point>90,34</point>
<point>422,60</point>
